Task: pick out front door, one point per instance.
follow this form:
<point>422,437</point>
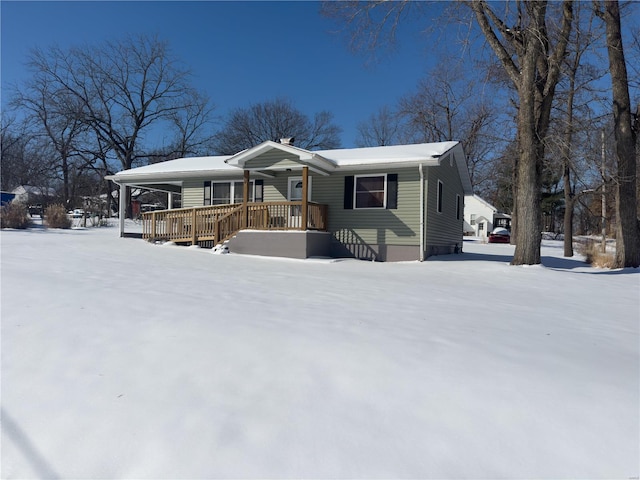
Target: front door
<point>295,195</point>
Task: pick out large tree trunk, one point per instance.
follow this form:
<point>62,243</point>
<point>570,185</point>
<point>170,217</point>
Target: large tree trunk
<point>533,65</point>
<point>528,236</point>
<point>627,234</point>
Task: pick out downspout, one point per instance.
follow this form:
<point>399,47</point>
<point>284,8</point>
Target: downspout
<point>421,212</point>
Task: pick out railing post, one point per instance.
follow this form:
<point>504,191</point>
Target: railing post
<point>194,233</point>
<point>153,225</point>
<point>305,198</point>
<point>245,200</point>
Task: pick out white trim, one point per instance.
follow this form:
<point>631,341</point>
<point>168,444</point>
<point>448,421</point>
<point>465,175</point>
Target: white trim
<point>422,210</point>
<point>122,207</point>
<point>384,191</point>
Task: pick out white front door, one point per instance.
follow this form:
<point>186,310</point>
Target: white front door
<point>294,194</point>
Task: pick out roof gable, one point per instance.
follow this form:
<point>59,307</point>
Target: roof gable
<point>276,156</point>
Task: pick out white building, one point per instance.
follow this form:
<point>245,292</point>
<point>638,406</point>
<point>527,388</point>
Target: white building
<point>480,217</point>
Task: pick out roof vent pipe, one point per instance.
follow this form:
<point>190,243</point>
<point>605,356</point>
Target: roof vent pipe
<point>287,141</point>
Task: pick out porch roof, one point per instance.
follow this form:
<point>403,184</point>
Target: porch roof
<point>174,170</point>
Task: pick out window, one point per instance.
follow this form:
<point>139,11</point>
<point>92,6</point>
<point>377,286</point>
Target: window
<point>458,205</point>
<point>473,219</point>
<point>371,191</point>
<point>223,193</point>
<point>439,203</point>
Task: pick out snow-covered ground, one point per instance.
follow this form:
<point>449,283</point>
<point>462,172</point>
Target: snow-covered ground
<point>122,359</point>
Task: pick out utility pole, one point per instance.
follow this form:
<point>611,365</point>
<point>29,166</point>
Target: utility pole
<point>604,199</point>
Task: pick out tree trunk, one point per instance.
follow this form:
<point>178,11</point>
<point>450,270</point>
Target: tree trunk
<point>566,174</point>
<point>528,236</point>
<point>627,234</point>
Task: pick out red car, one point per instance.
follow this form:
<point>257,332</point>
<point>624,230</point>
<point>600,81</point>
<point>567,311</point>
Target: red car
<point>500,235</point>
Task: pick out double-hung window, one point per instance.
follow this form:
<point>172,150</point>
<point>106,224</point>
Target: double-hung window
<point>223,193</point>
<point>371,191</point>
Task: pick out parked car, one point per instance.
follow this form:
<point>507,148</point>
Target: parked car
<point>35,210</point>
<point>500,235</point>
<point>77,213</point>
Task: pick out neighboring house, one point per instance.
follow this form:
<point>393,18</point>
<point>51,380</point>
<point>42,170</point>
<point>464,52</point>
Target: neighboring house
<point>387,203</point>
<point>28,194</point>
<point>480,217</point>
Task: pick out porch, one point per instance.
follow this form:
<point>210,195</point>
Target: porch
<point>215,224</point>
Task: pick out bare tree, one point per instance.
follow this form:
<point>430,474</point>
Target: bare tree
<point>192,126</point>
<point>575,94</point>
<point>53,114</point>
<point>273,120</point>
<point>532,58</point>
<point>23,158</point>
<point>382,128</point>
<point>447,106</point>
<point>628,230</point>
<point>123,89</point>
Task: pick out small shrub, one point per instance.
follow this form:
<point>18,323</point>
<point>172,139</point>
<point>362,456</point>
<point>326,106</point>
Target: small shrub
<point>14,215</point>
<point>55,216</point>
<point>594,256</point>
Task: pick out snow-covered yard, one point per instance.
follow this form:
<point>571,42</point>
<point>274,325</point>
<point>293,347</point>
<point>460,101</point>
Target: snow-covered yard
<point>122,359</point>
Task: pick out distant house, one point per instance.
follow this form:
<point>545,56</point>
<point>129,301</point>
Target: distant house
<point>29,194</point>
<point>387,203</point>
<point>480,217</point>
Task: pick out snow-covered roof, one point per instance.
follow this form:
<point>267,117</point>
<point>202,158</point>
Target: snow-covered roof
<point>175,169</point>
<point>421,152</point>
<point>428,154</point>
<point>482,201</point>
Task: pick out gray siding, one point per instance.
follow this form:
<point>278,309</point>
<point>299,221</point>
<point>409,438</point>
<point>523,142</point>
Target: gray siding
<point>274,159</point>
<point>192,193</point>
<point>375,226</point>
<point>443,230</point>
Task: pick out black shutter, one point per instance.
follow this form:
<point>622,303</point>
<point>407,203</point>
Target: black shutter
<point>207,193</point>
<point>392,191</point>
<point>259,191</point>
<point>348,192</point>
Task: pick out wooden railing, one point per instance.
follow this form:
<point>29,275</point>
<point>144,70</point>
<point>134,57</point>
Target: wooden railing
<point>218,223</point>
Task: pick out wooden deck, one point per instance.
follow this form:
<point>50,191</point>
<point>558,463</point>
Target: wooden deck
<point>217,223</point>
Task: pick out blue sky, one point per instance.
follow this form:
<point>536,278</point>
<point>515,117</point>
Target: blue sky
<point>240,52</point>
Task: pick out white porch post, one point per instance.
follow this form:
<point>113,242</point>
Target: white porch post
<point>122,207</point>
<point>170,200</point>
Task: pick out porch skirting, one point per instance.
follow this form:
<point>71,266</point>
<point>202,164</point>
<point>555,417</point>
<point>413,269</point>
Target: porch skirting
<point>389,253</point>
<point>289,244</point>
<point>297,244</point>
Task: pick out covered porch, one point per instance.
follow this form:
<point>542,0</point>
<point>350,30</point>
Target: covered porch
<point>217,223</point>
<point>209,225</point>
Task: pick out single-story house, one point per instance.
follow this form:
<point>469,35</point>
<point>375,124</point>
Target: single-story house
<point>480,217</point>
<point>28,194</point>
<point>387,203</point>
